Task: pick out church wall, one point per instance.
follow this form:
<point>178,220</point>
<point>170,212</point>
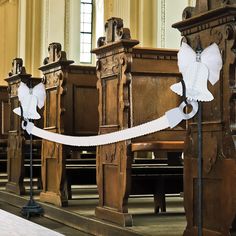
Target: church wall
<point>28,26</point>
<point>29,36</point>
<point>8,39</point>
<point>169,12</point>
<point>149,20</point>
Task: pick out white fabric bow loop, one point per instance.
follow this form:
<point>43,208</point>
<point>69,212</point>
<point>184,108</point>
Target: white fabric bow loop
<point>197,73</point>
<point>30,99</point>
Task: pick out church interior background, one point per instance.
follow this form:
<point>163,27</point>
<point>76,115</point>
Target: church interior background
<point>62,44</point>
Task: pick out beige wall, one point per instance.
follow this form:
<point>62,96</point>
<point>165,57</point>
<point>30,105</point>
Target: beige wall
<point>143,22</point>
<point>138,15</point>
<point>169,12</point>
<point>149,20</point>
<point>8,39</point>
<point>20,25</point>
<point>29,37</point>
<point>28,26</point>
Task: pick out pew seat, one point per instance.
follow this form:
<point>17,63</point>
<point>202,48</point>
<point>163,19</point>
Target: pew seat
<point>149,176</point>
<point>80,172</point>
<point>157,179</point>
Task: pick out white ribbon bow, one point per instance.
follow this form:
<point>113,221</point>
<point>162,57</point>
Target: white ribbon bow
<point>30,99</point>
<point>197,71</point>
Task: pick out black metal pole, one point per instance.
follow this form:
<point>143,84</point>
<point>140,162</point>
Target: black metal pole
<point>31,169</point>
<point>31,208</point>
<point>199,169</point>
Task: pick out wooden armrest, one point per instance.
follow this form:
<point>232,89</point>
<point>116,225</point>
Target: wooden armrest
<point>171,146</point>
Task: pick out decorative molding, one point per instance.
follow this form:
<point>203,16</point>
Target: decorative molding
<point>67,25</point>
<point>207,25</point>
<point>163,23</point>
<point>46,22</point>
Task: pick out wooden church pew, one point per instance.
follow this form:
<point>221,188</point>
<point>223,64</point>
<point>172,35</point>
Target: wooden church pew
<point>18,140</point>
<point>71,108</point>
<point>212,21</point>
<point>134,87</point>
<point>4,127</point>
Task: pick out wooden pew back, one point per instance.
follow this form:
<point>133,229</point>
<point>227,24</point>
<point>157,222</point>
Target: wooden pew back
<point>212,21</point>
<point>71,108</point>
<point>153,72</point>
<point>17,139</point>
<point>133,88</point>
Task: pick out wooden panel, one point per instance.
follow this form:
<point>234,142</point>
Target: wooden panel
<point>209,208</point>
<point>110,101</point>
<point>51,107</point>
<point>152,97</point>
<point>110,196</point>
<point>85,115</point>
<point>51,174</point>
<point>5,126</point>
<point>14,119</point>
<point>15,164</point>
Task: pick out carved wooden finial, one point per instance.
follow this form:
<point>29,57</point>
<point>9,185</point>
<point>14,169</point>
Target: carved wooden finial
<point>17,67</point>
<point>113,29</point>
<point>55,53</point>
<point>114,32</point>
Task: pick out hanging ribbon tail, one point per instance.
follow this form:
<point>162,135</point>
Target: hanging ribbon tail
<point>171,118</point>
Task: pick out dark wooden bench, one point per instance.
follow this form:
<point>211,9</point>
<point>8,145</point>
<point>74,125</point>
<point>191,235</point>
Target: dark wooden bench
<point>218,125</point>
<point>134,87</point>
<point>80,172</point>
<point>71,108</point>
<point>156,172</point>
<point>159,176</point>
<point>18,140</point>
<point>158,180</point>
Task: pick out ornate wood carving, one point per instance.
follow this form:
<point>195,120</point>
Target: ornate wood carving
<point>113,161</point>
<point>114,32</point>
<point>71,108</point>
<point>128,79</point>
<point>213,21</point>
<point>55,54</point>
